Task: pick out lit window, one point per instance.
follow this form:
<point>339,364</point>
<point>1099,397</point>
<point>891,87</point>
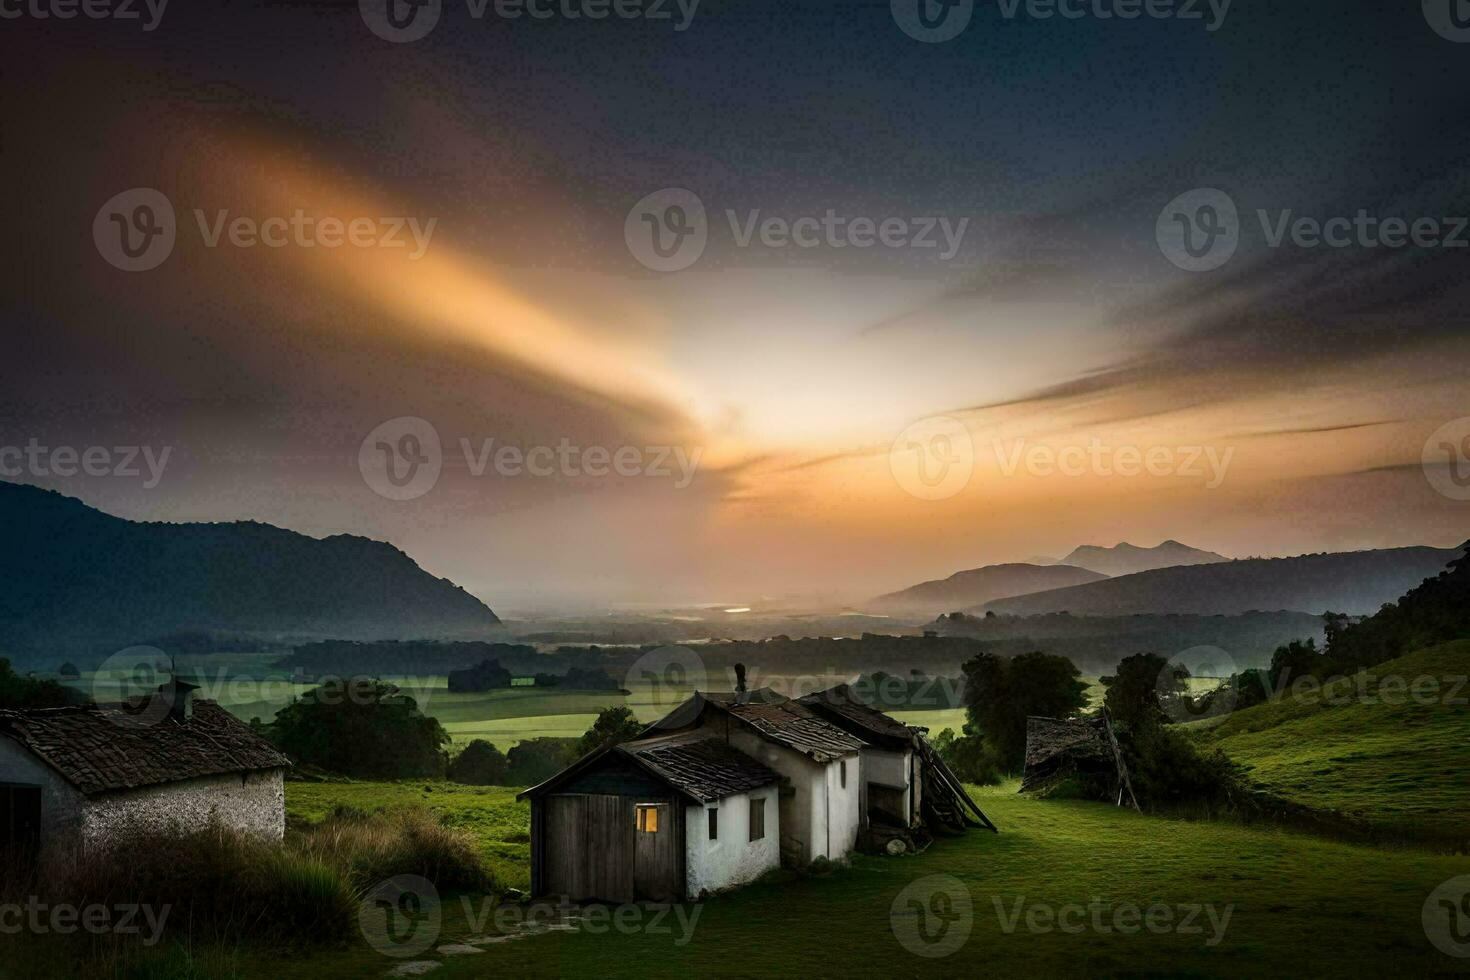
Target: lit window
<point>647,814</point>
<point>714,824</point>
<point>757,819</point>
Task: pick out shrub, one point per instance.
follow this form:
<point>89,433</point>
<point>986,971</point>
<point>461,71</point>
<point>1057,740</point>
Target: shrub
<point>969,756</point>
<point>536,760</point>
<point>480,764</point>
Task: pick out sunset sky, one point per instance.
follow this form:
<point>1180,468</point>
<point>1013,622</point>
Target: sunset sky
<point>1314,376</point>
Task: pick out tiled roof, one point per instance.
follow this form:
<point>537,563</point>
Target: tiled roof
<point>702,765</point>
<point>788,723</point>
<point>841,701</point>
<point>100,748</point>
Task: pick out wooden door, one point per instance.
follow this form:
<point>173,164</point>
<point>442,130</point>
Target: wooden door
<point>589,847</point>
<point>656,851</point>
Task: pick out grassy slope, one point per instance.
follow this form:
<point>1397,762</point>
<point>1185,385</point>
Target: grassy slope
<point>1395,763</point>
<point>1301,903</point>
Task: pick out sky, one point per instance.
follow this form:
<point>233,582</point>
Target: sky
<point>916,305</point>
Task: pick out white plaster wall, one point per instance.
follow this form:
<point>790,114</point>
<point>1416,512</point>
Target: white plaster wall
<point>886,768</point>
<point>732,858</point>
<point>253,802</point>
<point>891,769</point>
<point>61,804</point>
<point>798,820</point>
<point>842,807</point>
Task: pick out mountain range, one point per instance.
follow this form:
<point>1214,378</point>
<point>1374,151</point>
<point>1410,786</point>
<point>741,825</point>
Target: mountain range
<point>1356,582</point>
<point>977,586</point>
<point>78,580</point>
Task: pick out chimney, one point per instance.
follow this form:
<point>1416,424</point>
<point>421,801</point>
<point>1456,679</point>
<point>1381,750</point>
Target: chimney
<point>180,698</point>
<point>739,678</point>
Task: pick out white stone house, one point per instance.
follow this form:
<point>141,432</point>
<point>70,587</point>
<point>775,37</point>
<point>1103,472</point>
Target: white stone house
<point>87,775</point>
<point>821,765</point>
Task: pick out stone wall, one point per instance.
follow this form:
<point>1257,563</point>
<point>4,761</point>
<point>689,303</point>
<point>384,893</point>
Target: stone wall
<point>252,802</point>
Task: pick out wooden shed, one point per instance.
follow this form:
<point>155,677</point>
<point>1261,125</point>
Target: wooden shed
<point>659,819</point>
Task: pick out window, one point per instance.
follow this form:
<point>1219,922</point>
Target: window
<point>757,819</point>
<point>647,814</point>
<point>714,824</point>
<point>842,772</point>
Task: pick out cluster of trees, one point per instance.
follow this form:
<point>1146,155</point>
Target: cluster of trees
<point>20,692</point>
<point>360,727</point>
<point>537,759</point>
<point>1000,693</point>
<point>1168,770</point>
<point>369,729</point>
<point>1142,698</point>
<point>1437,611</point>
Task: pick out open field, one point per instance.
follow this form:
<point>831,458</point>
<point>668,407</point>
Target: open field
<point>249,687</point>
<point>1346,909</point>
<point>1391,749</point>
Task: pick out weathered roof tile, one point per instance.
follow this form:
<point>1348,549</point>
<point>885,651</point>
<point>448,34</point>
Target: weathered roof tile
<point>100,748</point>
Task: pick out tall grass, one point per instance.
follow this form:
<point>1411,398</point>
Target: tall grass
<point>218,890</point>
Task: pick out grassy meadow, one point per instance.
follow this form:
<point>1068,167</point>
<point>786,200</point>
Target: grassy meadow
<point>1293,899</point>
<point>1375,748</point>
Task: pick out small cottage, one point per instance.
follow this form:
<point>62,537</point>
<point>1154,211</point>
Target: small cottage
<point>729,786</point>
<point>85,775</point>
<point>658,819</point>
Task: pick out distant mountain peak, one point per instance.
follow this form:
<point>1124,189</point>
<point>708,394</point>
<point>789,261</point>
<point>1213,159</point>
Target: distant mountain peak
<point>1125,558</point>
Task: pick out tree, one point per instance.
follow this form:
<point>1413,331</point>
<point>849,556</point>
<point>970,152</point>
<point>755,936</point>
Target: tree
<point>361,727</point>
<point>1001,694</point>
<point>613,725</point>
<point>536,760</point>
<point>28,692</point>
<point>1146,691</point>
<point>480,764</point>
